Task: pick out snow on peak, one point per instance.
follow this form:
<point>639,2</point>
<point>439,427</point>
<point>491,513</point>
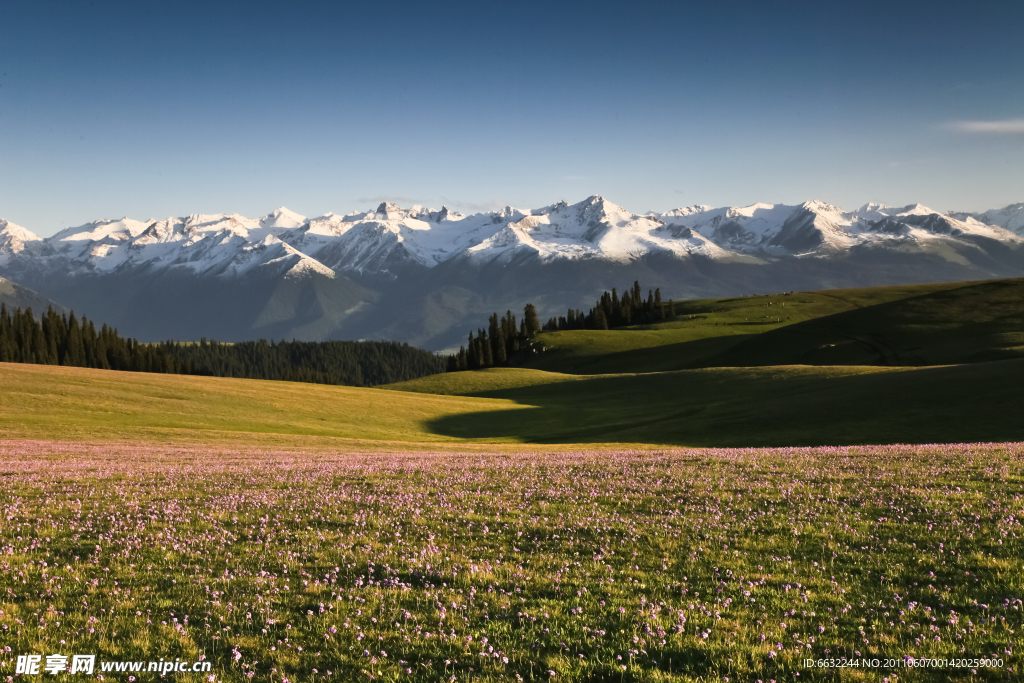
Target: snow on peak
<point>685,211</point>
<point>282,218</point>
<point>1009,217</point>
<point>13,238</point>
<point>392,238</point>
<point>875,212</point>
<point>121,229</point>
<point>388,208</point>
<point>915,210</point>
<point>445,214</point>
<point>818,206</point>
<point>560,205</point>
<point>14,231</point>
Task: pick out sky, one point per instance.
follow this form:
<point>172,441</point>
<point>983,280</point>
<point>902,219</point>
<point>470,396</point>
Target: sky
<point>149,110</point>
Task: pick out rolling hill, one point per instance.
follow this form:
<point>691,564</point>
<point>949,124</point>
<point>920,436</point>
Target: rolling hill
<point>856,399</point>
<point>704,329</point>
<point>967,324</point>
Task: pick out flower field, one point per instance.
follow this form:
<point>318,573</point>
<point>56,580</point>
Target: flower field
<point>711,565</point>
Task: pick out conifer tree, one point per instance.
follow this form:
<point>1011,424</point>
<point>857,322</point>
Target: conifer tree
<point>530,320</point>
<point>487,353</point>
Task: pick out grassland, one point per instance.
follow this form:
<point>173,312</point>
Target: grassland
<point>74,403</point>
<point>972,323</point>
<point>774,406</point>
<point>491,526</point>
<point>704,328</point>
<point>708,565</point>
<point>796,405</point>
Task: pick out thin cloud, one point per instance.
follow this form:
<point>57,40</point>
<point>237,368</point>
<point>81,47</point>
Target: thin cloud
<point>1005,127</point>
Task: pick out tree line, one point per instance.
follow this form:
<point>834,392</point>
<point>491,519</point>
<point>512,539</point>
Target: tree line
<point>612,311</point>
<point>503,342</point>
<point>59,339</point>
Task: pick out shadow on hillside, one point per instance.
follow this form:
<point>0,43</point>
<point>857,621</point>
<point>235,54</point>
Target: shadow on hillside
<point>665,358</point>
<point>974,323</point>
<point>773,406</point>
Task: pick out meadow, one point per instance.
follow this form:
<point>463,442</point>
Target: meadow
<point>697,500</point>
<point>761,406</point>
<point>704,329</point>
<point>681,565</point>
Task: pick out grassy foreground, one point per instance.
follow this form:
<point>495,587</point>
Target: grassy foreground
<point>711,565</point>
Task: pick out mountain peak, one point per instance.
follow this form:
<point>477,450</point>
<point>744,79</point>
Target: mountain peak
<point>444,214</point>
<point>282,218</point>
<point>915,210</point>
<point>388,207</point>
<point>872,206</point>
<point>9,228</point>
<point>818,206</point>
<point>13,237</point>
<point>596,204</point>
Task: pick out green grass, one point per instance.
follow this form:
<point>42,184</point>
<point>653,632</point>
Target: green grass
<point>703,329</point>
<point>727,406</point>
<point>73,403</point>
<point>479,383</point>
<point>618,567</point>
<point>772,406</point>
<point>310,533</point>
<point>972,323</point>
<point>796,405</point>
<point>797,382</point>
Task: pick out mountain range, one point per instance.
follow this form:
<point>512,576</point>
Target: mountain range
<point>428,276</point>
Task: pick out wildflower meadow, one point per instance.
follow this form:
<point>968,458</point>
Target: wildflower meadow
<point>689,565</point>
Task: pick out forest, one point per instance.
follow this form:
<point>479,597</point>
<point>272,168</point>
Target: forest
<point>62,339</point>
<point>58,339</point>
<point>505,343</point>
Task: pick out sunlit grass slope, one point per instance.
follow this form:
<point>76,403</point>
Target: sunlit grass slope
<point>705,328</point>
<point>724,407</point>
<point>38,401</point>
<point>480,382</point>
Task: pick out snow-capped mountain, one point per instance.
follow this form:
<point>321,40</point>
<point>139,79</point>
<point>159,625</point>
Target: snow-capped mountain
<point>333,276</point>
<point>12,240</point>
<point>1009,217</point>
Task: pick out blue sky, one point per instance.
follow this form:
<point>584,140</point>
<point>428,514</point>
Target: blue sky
<point>154,109</point>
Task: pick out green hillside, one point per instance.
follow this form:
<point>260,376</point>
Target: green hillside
<point>773,406</point>
<point>703,329</point>
<point>723,373</point>
<point>720,407</point>
<point>971,323</point>
<point>41,401</point>
<point>782,402</point>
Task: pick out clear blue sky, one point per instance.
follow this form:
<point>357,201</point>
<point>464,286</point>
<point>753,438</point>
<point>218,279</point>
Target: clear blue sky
<point>153,109</point>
